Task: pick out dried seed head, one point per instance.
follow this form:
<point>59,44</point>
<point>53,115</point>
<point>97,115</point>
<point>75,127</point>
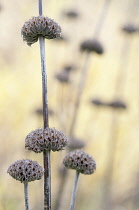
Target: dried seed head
<point>130,28</point>
<point>117,104</point>
<point>80,161</point>
<point>75,144</point>
<point>92,46</point>
<point>25,170</point>
<point>71,14</point>
<point>62,77</point>
<point>45,139</point>
<point>98,103</point>
<point>40,26</point>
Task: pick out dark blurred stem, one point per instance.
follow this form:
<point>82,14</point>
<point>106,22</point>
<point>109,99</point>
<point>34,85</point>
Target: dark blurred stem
<point>26,195</point>
<point>74,191</point>
<point>46,154</point>
<point>79,93</point>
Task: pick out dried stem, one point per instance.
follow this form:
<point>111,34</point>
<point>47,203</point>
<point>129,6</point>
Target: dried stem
<point>102,18</point>
<point>26,195</point>
<point>46,154</point>
<point>74,191</point>
<point>79,93</point>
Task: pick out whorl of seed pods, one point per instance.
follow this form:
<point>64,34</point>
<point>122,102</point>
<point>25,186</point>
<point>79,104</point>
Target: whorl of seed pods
<point>130,28</point>
<point>41,140</point>
<point>80,161</point>
<point>92,46</point>
<point>40,26</point>
<point>75,143</point>
<point>25,170</point>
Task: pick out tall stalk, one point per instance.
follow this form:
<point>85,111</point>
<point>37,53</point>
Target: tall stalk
<point>26,195</point>
<point>74,191</point>
<point>46,154</point>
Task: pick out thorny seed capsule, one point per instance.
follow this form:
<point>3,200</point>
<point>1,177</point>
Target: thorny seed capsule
<point>41,140</point>
<point>40,26</point>
<point>25,170</point>
<point>80,161</point>
<point>92,46</point>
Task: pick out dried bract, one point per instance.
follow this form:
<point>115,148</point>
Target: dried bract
<point>40,26</point>
<point>80,161</point>
<point>92,46</point>
<point>45,139</point>
<point>25,170</point>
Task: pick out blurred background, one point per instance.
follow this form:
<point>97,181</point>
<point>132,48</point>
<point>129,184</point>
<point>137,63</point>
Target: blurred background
<point>100,90</point>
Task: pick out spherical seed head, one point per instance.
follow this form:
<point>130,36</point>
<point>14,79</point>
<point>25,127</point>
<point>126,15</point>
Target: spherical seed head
<point>45,139</point>
<point>75,144</point>
<point>80,161</point>
<point>130,28</point>
<point>25,170</point>
<point>40,26</point>
<point>92,46</point>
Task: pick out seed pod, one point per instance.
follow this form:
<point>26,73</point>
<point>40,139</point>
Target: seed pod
<point>25,170</point>
<point>92,46</point>
<point>130,28</point>
<point>98,102</point>
<point>75,144</point>
<point>45,139</point>
<point>117,104</point>
<point>62,77</point>
<point>71,14</point>
<point>40,26</point>
<point>80,161</point>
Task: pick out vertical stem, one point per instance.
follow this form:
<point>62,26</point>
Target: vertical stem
<point>46,154</point>
<point>101,19</point>
<point>40,7</point>
<point>79,93</point>
<point>74,191</point>
<point>26,195</point>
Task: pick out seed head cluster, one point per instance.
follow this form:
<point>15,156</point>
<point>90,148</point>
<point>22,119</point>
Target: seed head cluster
<point>45,139</point>
<point>92,46</point>
<point>25,170</point>
<point>80,161</point>
<point>40,26</point>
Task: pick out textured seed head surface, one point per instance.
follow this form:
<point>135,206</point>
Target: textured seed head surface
<point>25,170</point>
<point>75,143</point>
<point>92,46</point>
<point>80,161</point>
<point>41,140</point>
<point>40,26</point>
